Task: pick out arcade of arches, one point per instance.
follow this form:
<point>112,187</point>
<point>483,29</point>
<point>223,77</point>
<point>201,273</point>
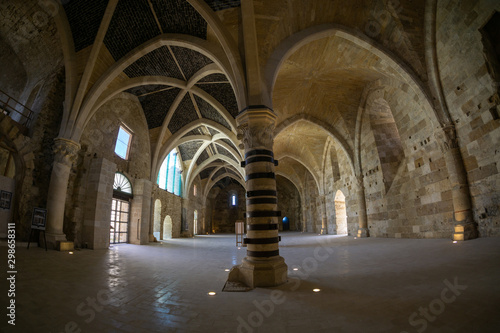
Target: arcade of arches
<point>367,118</point>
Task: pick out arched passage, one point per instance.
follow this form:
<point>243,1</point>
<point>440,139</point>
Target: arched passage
<point>167,228</point>
<point>340,213</point>
<point>157,219</point>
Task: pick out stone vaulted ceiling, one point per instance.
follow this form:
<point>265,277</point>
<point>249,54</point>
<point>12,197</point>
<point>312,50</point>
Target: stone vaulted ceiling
<point>190,86</point>
<point>177,57</point>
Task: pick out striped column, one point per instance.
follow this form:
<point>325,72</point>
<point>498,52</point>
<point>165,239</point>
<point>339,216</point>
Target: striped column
<point>263,266</point>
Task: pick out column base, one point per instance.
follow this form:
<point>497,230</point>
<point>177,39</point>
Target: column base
<point>465,232</point>
<point>54,239</point>
<point>260,272</point>
<point>363,232</point>
<point>323,231</point>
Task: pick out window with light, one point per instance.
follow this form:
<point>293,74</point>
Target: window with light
<point>169,177</point>
<point>122,146</point>
<point>234,200</point>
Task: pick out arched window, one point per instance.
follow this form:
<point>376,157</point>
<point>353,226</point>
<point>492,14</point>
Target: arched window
<point>169,177</point>
<point>121,185</point>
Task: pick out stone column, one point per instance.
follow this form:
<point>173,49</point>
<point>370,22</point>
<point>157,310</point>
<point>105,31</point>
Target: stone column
<point>263,266</point>
<point>201,217</point>
<point>363,219</point>
<point>324,221</point>
<point>65,153</point>
<point>304,218</point>
<point>465,227</point>
<point>140,213</point>
<point>98,198</point>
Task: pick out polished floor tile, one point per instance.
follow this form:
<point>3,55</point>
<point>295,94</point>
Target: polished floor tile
<point>366,285</point>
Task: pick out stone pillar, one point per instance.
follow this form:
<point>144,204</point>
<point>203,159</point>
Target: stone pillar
<point>65,153</point>
<point>324,220</point>
<point>263,266</point>
<point>363,219</point>
<point>201,218</point>
<point>98,198</point>
<point>465,227</point>
<point>140,216</point>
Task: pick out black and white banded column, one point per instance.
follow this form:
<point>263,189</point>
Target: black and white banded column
<point>263,266</point>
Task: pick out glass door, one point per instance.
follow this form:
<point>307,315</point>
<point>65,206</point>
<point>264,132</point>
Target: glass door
<point>119,221</point>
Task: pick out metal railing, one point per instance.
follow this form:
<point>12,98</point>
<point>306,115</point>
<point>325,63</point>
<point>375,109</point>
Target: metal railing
<point>11,107</point>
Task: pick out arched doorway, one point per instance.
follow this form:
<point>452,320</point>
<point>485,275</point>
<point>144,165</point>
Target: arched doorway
<point>120,209</point>
<point>157,220</point>
<point>195,223</point>
<point>286,224</point>
<point>340,213</point>
<point>167,228</point>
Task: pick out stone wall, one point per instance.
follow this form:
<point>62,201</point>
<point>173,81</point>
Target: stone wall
<point>311,205</point>
<point>171,207</point>
<point>30,31</point>
<point>414,200</point>
<point>223,214</point>
<point>337,164</point>
<point>289,203</point>
<point>35,151</point>
<point>196,203</point>
<point>470,88</point>
<point>98,141</point>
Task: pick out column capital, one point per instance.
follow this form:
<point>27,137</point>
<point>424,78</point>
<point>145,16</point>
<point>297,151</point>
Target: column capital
<point>447,137</point>
<point>256,126</point>
<point>65,151</point>
<point>359,180</point>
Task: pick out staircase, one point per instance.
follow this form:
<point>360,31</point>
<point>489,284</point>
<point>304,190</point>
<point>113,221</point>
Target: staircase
<point>15,110</point>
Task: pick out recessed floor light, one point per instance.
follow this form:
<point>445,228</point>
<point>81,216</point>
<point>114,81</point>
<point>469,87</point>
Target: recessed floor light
<point>227,270</point>
<point>212,293</point>
<point>316,290</point>
<point>70,252</point>
<point>455,242</point>
<point>295,269</point>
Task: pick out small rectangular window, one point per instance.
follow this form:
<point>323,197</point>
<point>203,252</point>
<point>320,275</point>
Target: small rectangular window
<point>233,200</point>
<point>122,146</point>
<point>194,190</point>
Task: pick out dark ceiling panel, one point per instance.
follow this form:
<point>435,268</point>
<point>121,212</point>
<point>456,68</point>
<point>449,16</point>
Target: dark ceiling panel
<point>156,106</point>
<point>189,149</point>
<point>212,131</point>
<point>206,172</point>
<point>203,157</point>
<point>219,173</point>
<point>178,16</point>
<point>225,152</point>
<point>190,61</point>
<point>84,19</point>
<point>225,182</point>
<point>184,114</point>
<point>217,77</point>
<point>132,24</point>
<point>233,172</point>
<point>228,142</point>
<point>197,131</point>
<point>141,90</point>
<point>222,4</point>
<point>158,62</point>
<point>223,93</point>
<point>208,111</point>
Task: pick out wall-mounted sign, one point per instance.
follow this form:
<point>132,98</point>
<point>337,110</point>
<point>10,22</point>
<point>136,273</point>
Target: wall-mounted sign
<point>5,199</point>
<point>39,218</point>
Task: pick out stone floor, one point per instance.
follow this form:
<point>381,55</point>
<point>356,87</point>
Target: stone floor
<point>366,285</point>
